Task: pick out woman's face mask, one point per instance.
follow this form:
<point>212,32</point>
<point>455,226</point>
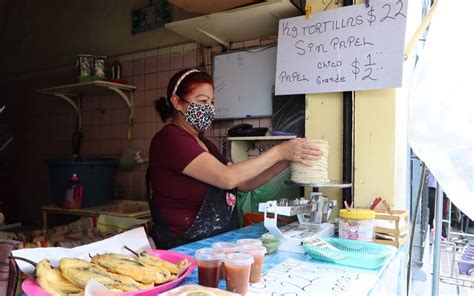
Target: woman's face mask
<point>199,116</point>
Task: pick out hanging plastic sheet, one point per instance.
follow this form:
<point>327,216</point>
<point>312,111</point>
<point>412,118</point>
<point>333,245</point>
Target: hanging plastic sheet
<point>441,103</point>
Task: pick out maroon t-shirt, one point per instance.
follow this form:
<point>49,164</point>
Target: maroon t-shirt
<point>177,197</point>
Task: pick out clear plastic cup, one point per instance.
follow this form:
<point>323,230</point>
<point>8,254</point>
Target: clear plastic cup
<point>209,263</point>
<point>225,248</point>
<point>258,254</point>
<point>237,272</point>
<point>249,241</point>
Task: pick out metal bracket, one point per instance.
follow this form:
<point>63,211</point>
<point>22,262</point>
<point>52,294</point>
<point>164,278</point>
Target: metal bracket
<point>129,101</point>
<point>72,93</point>
<point>75,105</point>
<point>213,37</point>
<point>6,144</point>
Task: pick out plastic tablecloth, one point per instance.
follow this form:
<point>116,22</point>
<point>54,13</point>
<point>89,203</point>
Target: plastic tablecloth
<point>391,277</point>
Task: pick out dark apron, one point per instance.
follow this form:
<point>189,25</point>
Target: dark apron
<point>217,214</point>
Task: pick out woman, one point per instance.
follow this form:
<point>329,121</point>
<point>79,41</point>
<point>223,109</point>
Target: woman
<point>192,182</point>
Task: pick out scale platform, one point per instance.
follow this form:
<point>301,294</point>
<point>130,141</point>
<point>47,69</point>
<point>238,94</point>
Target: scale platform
<point>331,184</point>
<point>293,235</point>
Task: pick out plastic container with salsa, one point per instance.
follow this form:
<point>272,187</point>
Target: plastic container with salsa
<point>225,248</point>
<point>249,241</point>
<point>258,254</point>
<point>237,272</point>
<point>209,263</point>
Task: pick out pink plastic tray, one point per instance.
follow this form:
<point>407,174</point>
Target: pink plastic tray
<point>31,288</point>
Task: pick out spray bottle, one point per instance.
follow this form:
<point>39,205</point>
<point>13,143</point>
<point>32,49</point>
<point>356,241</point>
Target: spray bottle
<point>73,195</point>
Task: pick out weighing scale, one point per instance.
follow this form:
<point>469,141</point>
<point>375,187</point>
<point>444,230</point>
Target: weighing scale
<point>313,216</point>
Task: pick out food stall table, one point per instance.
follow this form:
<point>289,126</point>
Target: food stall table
<point>120,208</point>
<point>390,279</point>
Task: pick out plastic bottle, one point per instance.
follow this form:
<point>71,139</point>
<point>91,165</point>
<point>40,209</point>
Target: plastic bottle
<point>73,195</point>
<point>116,70</point>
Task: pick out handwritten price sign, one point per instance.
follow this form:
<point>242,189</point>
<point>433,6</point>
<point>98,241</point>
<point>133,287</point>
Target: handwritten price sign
<point>298,278</point>
<point>344,49</point>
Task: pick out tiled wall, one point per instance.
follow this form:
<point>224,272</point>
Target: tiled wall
<point>43,125</point>
<point>150,73</point>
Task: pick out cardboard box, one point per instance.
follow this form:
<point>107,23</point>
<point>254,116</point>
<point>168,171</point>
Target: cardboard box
<point>210,6</point>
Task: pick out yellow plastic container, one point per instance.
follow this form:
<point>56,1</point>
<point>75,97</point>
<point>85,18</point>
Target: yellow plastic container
<point>356,224</point>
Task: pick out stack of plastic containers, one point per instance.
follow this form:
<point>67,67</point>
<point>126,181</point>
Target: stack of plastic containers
<point>239,264</point>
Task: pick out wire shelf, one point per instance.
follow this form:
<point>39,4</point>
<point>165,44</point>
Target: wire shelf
<point>449,271</point>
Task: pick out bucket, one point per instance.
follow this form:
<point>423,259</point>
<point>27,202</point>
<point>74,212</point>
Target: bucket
<point>95,174</point>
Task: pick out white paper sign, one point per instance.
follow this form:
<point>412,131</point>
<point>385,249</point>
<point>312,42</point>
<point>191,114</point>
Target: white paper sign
<point>350,48</point>
<point>292,277</point>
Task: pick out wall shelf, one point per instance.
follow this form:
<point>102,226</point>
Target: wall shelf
<point>239,146</point>
<point>263,138</point>
<point>240,24</point>
<point>72,92</point>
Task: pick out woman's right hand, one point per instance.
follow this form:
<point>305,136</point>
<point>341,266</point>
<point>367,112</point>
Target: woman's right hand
<point>299,150</point>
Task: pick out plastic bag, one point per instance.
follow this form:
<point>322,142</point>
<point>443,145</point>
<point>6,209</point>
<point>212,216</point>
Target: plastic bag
<point>247,202</point>
<point>131,156</point>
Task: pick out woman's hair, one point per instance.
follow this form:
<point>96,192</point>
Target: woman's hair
<point>164,106</point>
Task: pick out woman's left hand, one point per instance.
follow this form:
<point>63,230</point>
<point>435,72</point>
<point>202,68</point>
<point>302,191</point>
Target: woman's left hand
<point>299,150</point>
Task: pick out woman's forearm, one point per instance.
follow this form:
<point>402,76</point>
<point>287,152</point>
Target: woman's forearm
<point>264,177</point>
<point>257,170</point>
<point>208,169</point>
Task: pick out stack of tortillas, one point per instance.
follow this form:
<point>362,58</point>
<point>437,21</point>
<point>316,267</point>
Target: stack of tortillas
<point>317,172</point>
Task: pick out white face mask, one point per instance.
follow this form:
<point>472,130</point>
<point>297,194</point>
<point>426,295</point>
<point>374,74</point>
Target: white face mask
<point>199,116</point>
